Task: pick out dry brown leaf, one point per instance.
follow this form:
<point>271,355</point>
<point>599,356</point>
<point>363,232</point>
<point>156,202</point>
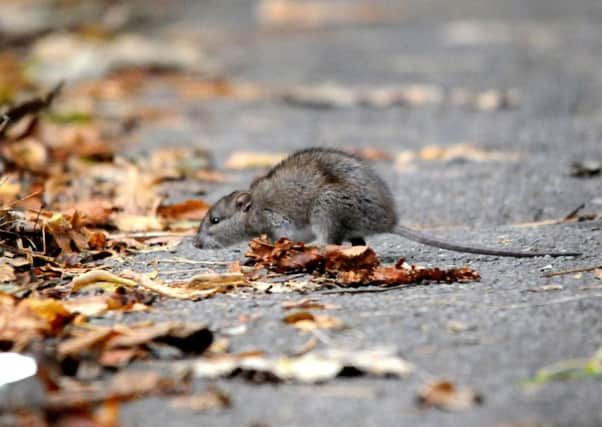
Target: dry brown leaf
<point>316,13</point>
<point>307,321</point>
<point>22,321</point>
<point>448,396</point>
<point>352,265</point>
<point>187,337</point>
<point>120,387</point>
<point>99,304</point>
<point>28,154</point>
<point>250,160</point>
<point>94,212</point>
<point>84,342</point>
<point>7,272</point>
<point>284,256</point>
<point>308,304</point>
<point>102,279</point>
<point>97,240</point>
<point>69,234</point>
<point>216,88</point>
<point>212,400</point>
<point>598,273</point>
<point>370,153</point>
<point>312,367</point>
<point>133,223</point>
<point>190,209</point>
<point>466,152</point>
<point>180,162</point>
<point>185,290</point>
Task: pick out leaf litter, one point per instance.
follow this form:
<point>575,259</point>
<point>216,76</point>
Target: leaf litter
<point>73,207</point>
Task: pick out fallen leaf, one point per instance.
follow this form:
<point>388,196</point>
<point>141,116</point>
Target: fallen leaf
<point>84,342</point>
<point>355,265</point>
<point>284,256</point>
<point>7,272</point>
<point>212,400</point>
<point>28,154</point>
<point>29,319</point>
<point>102,279</point>
<point>223,281</point>
<point>120,387</point>
<point>457,326</point>
<point>99,304</point>
<point>181,162</point>
<point>70,57</point>
<point>307,321</point>
<point>308,368</point>
<point>572,369</point>
<point>369,153</point>
<point>546,288</point>
<point>465,152</point>
<point>249,160</point>
<point>325,95</point>
<point>307,304</point>
<point>188,337</point>
<point>585,168</point>
<point>129,222</point>
<point>315,13</point>
<point>94,212</point>
<point>190,209</point>
<point>447,396</point>
<point>598,273</point>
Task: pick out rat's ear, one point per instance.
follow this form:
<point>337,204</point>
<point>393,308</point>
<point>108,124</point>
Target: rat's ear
<point>243,201</point>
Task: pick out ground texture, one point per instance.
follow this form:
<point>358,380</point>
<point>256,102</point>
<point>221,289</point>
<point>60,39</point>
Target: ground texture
<point>550,54</point>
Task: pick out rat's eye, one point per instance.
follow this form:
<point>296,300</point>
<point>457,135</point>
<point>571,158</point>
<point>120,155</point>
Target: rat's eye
<point>214,219</point>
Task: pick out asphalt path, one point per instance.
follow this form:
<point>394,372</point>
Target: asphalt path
<point>550,54</point>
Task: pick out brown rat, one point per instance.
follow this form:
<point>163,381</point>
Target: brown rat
<point>322,194</point>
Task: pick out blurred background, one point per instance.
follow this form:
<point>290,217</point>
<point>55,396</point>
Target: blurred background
<point>413,84</point>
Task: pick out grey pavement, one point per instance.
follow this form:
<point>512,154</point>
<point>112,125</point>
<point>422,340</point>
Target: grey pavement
<point>551,53</point>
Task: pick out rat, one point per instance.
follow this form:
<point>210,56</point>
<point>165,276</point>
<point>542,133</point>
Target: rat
<point>319,194</point>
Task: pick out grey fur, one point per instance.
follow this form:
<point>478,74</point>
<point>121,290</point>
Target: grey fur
<point>322,194</point>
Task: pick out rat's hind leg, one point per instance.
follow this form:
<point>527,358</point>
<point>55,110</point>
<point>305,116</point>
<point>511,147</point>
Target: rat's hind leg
<point>357,241</point>
<point>331,217</point>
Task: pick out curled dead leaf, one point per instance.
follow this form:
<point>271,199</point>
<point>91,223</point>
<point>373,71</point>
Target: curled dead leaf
<point>314,367</point>
<point>24,321</point>
<point>212,400</point>
<point>307,304</point>
<point>249,160</point>
<point>355,265</point>
<point>190,209</point>
<point>307,321</point>
<point>447,396</point>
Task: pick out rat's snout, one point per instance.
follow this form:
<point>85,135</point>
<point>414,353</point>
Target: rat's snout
<point>197,242</point>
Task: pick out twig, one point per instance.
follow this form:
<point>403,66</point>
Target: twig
<point>3,123</point>
<point>574,212</point>
<point>362,291</point>
<point>29,252</point>
<point>33,106</point>
<point>576,270</point>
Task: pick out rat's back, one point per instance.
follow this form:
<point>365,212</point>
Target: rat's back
<point>295,185</point>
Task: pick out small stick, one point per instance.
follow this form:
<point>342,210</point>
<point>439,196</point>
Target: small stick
<point>576,270</point>
<point>3,122</point>
<point>362,291</point>
<point>574,212</point>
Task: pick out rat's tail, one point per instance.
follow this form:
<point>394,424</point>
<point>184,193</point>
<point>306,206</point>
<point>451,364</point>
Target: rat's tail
<point>420,237</point>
